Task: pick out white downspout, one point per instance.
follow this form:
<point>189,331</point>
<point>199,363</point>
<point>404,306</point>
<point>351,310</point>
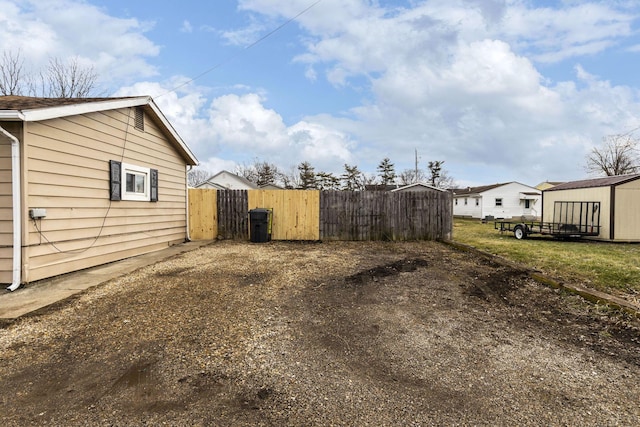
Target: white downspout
<point>186,180</point>
<point>17,209</point>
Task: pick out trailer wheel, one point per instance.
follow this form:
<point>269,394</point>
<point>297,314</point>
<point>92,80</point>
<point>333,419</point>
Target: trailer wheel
<point>519,231</point>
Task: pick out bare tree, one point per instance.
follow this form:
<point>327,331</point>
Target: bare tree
<point>618,155</point>
<point>11,73</point>
<point>409,176</point>
<point>66,80</point>
<point>291,178</point>
<point>59,79</point>
<point>197,176</point>
<point>248,171</point>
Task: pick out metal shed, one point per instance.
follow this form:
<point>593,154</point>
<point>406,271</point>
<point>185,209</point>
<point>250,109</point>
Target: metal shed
<point>618,198</point>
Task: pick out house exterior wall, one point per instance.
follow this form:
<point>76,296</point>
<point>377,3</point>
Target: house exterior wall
<point>627,212</point>
<point>466,206</point>
<point>595,194</point>
<point>6,202</point>
<point>67,173</point>
<point>512,205</point>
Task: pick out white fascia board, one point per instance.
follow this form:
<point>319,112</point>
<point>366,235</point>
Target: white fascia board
<point>11,115</point>
<point>82,108</point>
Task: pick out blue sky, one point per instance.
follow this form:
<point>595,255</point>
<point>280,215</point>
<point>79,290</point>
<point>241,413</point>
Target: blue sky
<point>501,90</point>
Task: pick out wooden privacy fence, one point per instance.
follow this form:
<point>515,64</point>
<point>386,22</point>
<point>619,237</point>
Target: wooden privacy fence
<point>323,215</point>
<point>385,215</point>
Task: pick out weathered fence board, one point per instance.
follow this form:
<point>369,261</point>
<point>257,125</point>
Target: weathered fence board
<point>233,221</point>
<point>296,213</point>
<point>326,215</point>
<point>382,215</point>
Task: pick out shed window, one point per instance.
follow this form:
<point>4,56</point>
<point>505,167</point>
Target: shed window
<point>456,200</point>
<point>498,202</point>
<point>477,202</point>
<point>139,119</point>
<point>465,201</point>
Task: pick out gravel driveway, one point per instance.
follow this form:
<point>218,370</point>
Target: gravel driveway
<point>344,333</point>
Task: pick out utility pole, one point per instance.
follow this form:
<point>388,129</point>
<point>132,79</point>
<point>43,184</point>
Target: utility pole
<point>416,165</point>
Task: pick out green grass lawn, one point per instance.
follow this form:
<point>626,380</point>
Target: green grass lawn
<point>609,267</point>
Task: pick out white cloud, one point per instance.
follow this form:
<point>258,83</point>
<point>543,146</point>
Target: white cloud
<point>245,126</point>
<point>67,29</point>
<point>186,27</point>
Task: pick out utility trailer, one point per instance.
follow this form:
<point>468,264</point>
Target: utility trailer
<point>570,220</point>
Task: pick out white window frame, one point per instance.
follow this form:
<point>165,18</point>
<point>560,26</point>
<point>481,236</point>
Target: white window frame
<point>136,170</point>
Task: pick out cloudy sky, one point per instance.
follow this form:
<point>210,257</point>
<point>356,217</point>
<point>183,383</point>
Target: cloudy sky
<point>501,90</point>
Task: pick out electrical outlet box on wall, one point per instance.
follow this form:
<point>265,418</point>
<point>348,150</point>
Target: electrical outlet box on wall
<point>37,213</point>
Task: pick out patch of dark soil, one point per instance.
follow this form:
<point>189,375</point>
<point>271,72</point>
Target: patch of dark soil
<point>372,274</point>
<point>496,284</point>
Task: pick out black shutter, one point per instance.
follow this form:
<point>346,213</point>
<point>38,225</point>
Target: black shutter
<point>115,168</point>
<point>154,185</point>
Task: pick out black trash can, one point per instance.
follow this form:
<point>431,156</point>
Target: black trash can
<point>260,225</point>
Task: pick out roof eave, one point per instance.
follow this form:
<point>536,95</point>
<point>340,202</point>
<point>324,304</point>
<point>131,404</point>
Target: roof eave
<point>13,115</point>
<point>37,114</point>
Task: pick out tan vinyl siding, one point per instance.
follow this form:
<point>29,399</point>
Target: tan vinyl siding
<point>68,174</point>
<point>594,194</point>
<point>627,211</point>
<point>6,203</point>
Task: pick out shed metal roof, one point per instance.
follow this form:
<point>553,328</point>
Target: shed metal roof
<point>607,181</point>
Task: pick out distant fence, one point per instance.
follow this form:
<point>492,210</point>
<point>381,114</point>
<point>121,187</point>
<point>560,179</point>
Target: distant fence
<point>323,215</point>
<point>384,215</point>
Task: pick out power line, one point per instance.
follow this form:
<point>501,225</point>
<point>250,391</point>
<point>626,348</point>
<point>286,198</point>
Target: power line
<point>232,57</point>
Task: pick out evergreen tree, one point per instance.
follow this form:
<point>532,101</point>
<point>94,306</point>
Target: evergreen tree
<point>386,172</point>
<point>352,178</point>
<point>327,181</point>
<point>267,174</point>
<point>307,176</point>
<point>435,170</point>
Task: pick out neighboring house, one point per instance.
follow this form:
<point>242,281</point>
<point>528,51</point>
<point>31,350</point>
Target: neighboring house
<point>547,185</point>
<point>85,182</point>
<point>506,200</point>
<point>611,202</point>
<point>225,180</point>
<point>419,186</point>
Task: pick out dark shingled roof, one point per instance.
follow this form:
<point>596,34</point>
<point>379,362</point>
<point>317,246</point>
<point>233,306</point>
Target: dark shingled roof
<point>20,103</point>
<point>476,190</point>
<point>596,182</point>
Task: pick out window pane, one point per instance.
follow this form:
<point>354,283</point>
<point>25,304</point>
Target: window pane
<point>135,183</point>
<point>140,184</point>
<point>131,179</point>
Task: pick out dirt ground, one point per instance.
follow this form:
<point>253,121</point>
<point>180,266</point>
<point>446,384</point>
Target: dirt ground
<point>345,333</point>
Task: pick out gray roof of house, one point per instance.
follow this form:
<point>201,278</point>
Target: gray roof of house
<point>476,190</point>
